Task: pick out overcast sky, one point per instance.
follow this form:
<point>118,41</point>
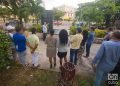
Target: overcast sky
<point>49,4</point>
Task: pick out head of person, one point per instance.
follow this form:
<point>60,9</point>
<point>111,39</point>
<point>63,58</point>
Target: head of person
<point>85,32</point>
<point>33,30</point>
<point>45,23</point>
<point>6,24</point>
<point>63,37</point>
<point>10,29</point>
<point>79,30</point>
<point>116,35</point>
<point>19,30</point>
<point>51,32</point>
<point>110,29</point>
<point>92,29</point>
<point>24,29</point>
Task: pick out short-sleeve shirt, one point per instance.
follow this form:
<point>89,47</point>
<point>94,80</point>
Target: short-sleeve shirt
<point>51,42</point>
<point>44,28</point>
<point>62,48</point>
<point>20,42</point>
<point>76,41</point>
<point>33,40</point>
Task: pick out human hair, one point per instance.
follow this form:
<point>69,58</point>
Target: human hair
<point>6,24</point>
<point>79,30</point>
<point>85,33</point>
<point>92,28</point>
<point>116,34</point>
<point>51,32</point>
<point>18,29</point>
<point>118,28</point>
<point>63,37</point>
<point>110,29</point>
<point>33,30</point>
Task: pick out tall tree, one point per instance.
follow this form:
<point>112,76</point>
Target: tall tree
<point>36,9</point>
<point>99,11</point>
<point>4,13</point>
<point>58,14</point>
<point>23,8</point>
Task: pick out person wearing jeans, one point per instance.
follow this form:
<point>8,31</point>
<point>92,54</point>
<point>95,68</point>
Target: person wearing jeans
<point>106,59</point>
<point>89,41</point>
<point>75,45</point>
<point>20,45</point>
<point>73,53</point>
<point>88,46</point>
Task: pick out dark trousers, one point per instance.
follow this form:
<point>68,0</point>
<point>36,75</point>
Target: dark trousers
<point>73,55</point>
<point>88,46</point>
<point>44,36</point>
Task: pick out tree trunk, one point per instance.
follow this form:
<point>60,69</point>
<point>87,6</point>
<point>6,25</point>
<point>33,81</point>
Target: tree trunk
<point>21,23</point>
<point>37,20</point>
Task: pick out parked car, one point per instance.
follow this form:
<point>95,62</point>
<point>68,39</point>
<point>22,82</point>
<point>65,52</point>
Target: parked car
<point>14,23</point>
<point>57,22</point>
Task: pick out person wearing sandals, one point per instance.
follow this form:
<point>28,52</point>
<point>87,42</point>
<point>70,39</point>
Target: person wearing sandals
<point>62,45</point>
<point>51,48</point>
<point>33,44</point>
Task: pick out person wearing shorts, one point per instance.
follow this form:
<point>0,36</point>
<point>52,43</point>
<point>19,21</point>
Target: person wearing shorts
<point>62,44</point>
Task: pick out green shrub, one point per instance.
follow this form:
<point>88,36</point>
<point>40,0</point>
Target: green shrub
<point>73,30</point>
<point>37,26</point>
<point>5,50</point>
<point>100,33</point>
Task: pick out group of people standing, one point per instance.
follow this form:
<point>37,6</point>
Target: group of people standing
<point>107,60</point>
<point>21,41</point>
<point>64,43</point>
<point>55,46</point>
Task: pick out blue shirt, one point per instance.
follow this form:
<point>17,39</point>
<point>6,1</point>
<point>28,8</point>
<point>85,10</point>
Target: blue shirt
<point>20,42</point>
<point>90,38</point>
<point>108,56</point>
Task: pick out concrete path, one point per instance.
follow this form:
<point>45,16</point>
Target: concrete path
<point>84,68</point>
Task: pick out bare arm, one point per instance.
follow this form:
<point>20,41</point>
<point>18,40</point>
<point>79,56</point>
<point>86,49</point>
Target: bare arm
<point>29,45</point>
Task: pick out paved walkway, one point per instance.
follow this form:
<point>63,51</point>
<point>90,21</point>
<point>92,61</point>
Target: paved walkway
<point>83,68</point>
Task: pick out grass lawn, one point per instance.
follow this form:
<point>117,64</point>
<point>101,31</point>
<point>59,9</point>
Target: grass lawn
<point>17,76</point>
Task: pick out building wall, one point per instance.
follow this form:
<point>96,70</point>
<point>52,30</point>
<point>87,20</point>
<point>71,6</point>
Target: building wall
<point>69,12</point>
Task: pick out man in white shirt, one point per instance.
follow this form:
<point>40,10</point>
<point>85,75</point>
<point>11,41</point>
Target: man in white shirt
<point>44,29</point>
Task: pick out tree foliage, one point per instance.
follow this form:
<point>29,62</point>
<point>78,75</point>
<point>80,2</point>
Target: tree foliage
<point>58,14</point>
<point>100,11</point>
<point>5,50</point>
<point>23,8</point>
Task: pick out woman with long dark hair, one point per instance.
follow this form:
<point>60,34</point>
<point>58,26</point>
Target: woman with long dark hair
<point>63,44</point>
